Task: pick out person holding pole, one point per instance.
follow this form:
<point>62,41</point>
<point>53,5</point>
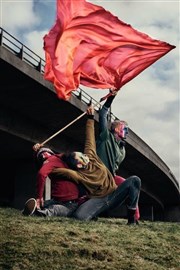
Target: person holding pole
<point>66,195</point>
<point>57,206</point>
<point>111,143</point>
<point>88,169</point>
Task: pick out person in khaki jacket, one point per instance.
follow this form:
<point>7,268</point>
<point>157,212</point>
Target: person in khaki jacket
<point>88,169</point>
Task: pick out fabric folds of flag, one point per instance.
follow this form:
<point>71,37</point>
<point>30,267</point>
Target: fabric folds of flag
<point>90,46</point>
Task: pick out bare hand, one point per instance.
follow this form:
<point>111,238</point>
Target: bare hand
<point>90,110</point>
<point>113,91</point>
<point>37,146</point>
<point>40,203</point>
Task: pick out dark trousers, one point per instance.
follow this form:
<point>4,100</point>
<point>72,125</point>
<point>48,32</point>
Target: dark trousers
<point>129,190</point>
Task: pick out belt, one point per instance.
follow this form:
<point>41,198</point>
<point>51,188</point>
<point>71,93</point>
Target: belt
<point>68,201</point>
<point>71,201</point>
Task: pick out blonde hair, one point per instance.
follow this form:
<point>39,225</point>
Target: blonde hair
<point>116,123</point>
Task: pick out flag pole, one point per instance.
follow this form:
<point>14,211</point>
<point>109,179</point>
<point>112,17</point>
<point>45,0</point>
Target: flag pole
<point>55,134</point>
<point>62,129</point>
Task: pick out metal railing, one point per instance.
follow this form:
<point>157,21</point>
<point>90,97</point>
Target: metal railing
<point>35,61</point>
<point>21,51</point>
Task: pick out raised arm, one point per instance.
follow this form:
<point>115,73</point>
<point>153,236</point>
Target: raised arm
<point>90,143</point>
<point>104,111</point>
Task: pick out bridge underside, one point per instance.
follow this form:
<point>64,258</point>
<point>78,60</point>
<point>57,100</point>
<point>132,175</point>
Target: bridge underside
<point>31,112</point>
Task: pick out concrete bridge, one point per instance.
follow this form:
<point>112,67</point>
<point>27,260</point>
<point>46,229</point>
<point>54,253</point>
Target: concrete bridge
<point>30,112</point>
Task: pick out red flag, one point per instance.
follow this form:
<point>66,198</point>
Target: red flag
<point>89,46</point>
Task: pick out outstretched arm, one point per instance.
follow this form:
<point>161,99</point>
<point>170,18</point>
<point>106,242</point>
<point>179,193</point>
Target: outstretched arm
<point>104,111</point>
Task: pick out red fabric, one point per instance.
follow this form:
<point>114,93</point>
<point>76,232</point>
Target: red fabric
<point>90,46</point>
<point>119,180</point>
<point>60,188</point>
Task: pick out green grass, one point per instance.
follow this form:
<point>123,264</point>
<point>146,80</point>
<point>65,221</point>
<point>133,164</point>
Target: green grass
<point>66,244</point>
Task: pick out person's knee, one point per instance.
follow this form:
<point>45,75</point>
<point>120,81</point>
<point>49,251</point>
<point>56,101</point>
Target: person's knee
<point>137,181</point>
<point>134,180</point>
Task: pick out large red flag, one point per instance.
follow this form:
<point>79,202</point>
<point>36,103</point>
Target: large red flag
<point>89,46</point>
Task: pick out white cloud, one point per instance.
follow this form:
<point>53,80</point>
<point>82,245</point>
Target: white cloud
<point>34,40</point>
<point>18,15</point>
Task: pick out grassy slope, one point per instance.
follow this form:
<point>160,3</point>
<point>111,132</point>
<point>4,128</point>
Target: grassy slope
<point>61,243</point>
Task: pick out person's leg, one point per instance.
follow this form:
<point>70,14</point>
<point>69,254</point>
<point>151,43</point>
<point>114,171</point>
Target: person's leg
<point>119,180</point>
<point>137,214</point>
<point>52,208</point>
<point>90,209</point>
<point>48,203</point>
<point>129,189</point>
<point>60,210</point>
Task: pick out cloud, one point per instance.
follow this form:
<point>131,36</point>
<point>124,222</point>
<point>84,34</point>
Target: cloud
<point>27,21</point>
<point>34,40</point>
<point>18,16</point>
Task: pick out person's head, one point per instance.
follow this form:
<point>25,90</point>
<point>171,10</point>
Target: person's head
<point>76,160</point>
<point>120,129</point>
<point>43,154</point>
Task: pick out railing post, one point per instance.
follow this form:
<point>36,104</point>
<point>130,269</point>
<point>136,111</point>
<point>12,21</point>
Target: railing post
<point>80,95</point>
<point>39,67</point>
<point>1,37</point>
<point>47,195</point>
<point>20,54</point>
<point>90,102</point>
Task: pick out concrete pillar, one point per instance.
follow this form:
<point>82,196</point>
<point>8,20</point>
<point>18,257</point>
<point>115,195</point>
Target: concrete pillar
<point>47,193</point>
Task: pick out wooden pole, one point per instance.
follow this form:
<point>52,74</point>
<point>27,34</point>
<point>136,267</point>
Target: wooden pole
<point>72,122</point>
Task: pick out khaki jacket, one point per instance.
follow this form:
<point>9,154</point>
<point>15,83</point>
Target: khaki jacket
<point>96,177</point>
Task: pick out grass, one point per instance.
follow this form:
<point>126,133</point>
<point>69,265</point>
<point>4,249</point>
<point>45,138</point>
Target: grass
<point>30,243</point>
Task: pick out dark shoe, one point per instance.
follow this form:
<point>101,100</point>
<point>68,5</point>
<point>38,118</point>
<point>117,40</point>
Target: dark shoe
<point>30,207</point>
<point>131,223</point>
<point>131,217</point>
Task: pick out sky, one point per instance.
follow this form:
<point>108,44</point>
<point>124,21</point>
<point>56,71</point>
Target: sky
<point>150,103</point>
